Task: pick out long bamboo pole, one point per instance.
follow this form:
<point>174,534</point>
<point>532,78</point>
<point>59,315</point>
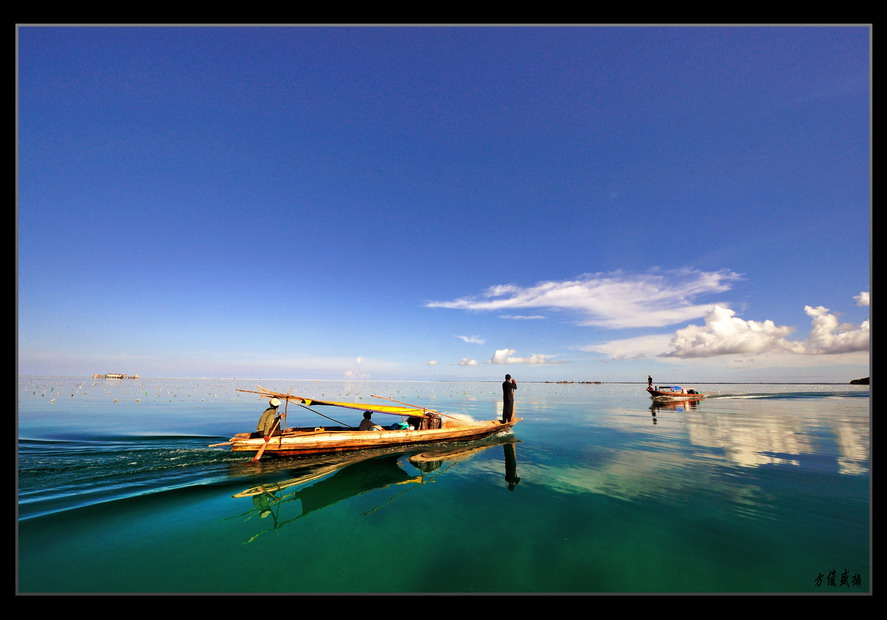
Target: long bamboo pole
<point>422,408</point>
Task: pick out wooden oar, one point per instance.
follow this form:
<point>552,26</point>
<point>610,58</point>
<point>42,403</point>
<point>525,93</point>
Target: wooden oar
<point>265,445</point>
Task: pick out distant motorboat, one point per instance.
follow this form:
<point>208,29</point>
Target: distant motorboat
<point>674,392</point>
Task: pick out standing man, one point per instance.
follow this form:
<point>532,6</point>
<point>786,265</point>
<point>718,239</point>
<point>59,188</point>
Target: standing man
<point>649,381</point>
<point>268,419</point>
<point>508,388</point>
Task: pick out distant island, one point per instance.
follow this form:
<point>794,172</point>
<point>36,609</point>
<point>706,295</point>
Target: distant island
<point>116,375</point>
<point>860,381</point>
<point>591,382</point>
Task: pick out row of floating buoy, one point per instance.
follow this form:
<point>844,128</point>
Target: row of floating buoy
<point>172,394</point>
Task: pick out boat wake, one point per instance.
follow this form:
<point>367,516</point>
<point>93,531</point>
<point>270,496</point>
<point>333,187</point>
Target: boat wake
<point>461,417</point>
<point>55,475</point>
<point>788,395</point>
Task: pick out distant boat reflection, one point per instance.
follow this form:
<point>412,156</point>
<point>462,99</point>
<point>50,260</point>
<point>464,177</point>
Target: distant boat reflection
<point>335,480</point>
<point>675,406</point>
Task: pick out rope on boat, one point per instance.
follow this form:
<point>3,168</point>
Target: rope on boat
<point>324,416</point>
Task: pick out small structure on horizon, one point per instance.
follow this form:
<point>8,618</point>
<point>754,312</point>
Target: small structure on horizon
<point>116,375</point>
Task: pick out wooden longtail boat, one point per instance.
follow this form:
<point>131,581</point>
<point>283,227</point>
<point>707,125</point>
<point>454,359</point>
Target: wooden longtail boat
<point>420,426</point>
<point>674,392</point>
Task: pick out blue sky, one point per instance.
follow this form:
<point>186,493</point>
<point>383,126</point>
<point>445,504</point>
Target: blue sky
<point>445,203</point>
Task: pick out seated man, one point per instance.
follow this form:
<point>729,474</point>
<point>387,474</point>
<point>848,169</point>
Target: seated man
<point>268,422</point>
<point>367,424</point>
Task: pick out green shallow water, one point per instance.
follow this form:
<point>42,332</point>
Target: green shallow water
<point>757,489</point>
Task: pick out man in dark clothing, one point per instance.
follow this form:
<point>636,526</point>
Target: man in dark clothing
<point>508,388</point>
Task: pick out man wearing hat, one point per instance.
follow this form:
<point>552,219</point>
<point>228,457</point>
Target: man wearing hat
<point>367,423</point>
<point>268,419</point>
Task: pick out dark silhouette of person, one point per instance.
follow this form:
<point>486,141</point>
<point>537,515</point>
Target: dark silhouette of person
<point>511,466</point>
<point>508,388</point>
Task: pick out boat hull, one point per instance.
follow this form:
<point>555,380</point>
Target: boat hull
<point>660,395</point>
<point>297,442</point>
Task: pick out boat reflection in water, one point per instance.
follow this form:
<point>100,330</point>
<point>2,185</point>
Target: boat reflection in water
<point>335,480</point>
<point>428,462</point>
<point>674,406</point>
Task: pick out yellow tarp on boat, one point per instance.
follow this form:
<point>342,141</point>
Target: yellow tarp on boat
<point>361,406</point>
<point>308,402</point>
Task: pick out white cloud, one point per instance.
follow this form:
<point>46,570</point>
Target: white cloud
<point>631,348</point>
<point>472,339</point>
<point>432,363</point>
<point>862,299</point>
<point>353,374</point>
<point>521,317</point>
<point>467,362</point>
<point>501,356</point>
<point>725,334</point>
<point>830,336</point>
<point>609,300</point>
<point>507,356</point>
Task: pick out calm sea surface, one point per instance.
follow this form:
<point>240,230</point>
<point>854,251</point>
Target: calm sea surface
<point>757,489</point>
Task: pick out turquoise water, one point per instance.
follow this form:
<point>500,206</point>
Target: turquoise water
<point>757,489</point>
